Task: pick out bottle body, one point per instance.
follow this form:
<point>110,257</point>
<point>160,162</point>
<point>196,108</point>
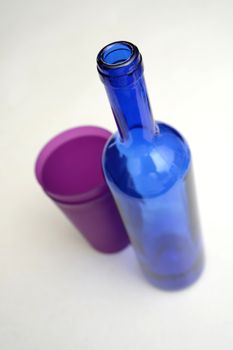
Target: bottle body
<point>152,184</point>
<point>148,168</point>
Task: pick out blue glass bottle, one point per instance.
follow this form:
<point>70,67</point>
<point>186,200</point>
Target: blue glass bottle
<point>147,166</point>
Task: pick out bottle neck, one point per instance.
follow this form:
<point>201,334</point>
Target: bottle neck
<point>121,70</point>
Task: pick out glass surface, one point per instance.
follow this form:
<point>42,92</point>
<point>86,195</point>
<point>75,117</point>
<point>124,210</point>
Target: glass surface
<point>147,166</point>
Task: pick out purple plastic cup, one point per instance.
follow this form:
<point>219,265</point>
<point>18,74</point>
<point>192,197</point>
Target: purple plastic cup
<point>69,170</point>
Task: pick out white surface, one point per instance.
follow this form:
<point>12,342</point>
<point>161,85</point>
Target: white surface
<point>55,291</point>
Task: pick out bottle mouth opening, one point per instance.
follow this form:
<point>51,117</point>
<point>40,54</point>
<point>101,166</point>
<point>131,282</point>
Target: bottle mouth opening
<point>119,63</point>
<point>117,53</point>
<point>118,58</point>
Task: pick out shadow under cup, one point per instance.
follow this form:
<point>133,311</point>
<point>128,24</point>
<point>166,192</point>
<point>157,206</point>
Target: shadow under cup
<point>69,170</point>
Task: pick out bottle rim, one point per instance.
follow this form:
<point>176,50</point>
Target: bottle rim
<point>118,58</point>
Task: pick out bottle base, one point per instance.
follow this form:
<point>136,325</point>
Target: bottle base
<point>176,281</point>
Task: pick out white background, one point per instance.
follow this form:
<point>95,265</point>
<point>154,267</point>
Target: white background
<point>55,291</point>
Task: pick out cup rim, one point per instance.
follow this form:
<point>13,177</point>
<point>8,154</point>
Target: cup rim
<point>53,144</point>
